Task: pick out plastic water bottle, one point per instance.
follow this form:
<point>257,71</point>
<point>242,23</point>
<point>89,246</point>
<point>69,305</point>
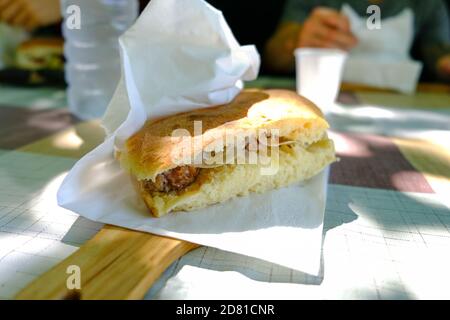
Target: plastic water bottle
<point>92,51</point>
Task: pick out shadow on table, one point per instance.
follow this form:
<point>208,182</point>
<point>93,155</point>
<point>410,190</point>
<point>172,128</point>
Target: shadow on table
<point>21,126</point>
<point>252,268</point>
<point>391,214</point>
<point>81,231</point>
<point>373,161</point>
<point>386,121</point>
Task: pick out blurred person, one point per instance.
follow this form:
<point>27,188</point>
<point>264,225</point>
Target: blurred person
<point>320,24</point>
<point>30,14</point>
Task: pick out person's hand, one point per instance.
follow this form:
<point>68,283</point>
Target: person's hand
<point>443,66</point>
<point>327,28</point>
<point>29,14</point>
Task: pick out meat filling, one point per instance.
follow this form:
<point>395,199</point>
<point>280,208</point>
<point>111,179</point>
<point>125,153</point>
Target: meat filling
<point>173,180</point>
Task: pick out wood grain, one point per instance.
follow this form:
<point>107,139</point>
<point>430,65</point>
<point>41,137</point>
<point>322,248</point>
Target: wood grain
<point>116,264</point>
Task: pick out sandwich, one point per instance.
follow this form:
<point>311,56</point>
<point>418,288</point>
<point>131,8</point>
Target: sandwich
<point>262,140</point>
<point>41,53</point>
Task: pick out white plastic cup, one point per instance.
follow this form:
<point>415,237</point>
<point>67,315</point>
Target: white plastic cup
<point>319,73</point>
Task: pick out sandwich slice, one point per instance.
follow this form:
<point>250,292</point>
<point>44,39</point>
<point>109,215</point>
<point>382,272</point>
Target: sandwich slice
<point>260,141</point>
<point>41,53</point>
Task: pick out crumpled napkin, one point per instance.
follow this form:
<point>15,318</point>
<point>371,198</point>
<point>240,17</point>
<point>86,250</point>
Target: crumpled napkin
<point>178,56</point>
<point>381,58</point>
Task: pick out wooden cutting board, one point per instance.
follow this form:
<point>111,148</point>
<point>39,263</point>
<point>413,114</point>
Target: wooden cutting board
<point>116,264</point>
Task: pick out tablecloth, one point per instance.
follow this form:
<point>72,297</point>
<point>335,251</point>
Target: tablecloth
<point>387,222</point>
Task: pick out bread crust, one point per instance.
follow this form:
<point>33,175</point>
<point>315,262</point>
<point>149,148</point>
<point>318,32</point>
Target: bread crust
<point>149,152</point>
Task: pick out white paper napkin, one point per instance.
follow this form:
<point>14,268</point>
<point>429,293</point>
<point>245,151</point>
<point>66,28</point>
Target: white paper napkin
<point>181,55</point>
<point>381,58</point>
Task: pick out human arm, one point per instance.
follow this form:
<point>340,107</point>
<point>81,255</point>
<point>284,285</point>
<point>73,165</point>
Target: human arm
<point>322,28</point>
<point>30,14</point>
<point>434,40</point>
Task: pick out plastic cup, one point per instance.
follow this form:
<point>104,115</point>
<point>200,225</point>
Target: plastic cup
<point>319,73</point>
